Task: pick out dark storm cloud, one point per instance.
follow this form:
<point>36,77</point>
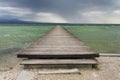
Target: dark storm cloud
<point>64,6</point>
<point>68,9</point>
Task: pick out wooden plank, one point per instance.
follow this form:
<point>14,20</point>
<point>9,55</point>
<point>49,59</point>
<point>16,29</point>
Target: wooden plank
<point>58,56</point>
<point>58,61</point>
<point>43,46</point>
<point>60,46</point>
<point>63,71</point>
<point>109,54</point>
<point>51,50</point>
<point>57,53</point>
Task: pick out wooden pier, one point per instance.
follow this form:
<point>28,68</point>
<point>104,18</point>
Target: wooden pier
<point>58,47</point>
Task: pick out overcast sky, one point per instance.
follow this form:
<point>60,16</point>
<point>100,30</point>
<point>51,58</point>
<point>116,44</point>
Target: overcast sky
<point>62,11</point>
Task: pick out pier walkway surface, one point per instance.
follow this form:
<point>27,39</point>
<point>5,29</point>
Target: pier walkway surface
<point>58,47</point>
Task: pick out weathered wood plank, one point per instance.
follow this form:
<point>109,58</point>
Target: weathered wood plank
<point>58,61</point>
<point>109,54</point>
<point>63,71</point>
<point>46,55</point>
<point>57,53</point>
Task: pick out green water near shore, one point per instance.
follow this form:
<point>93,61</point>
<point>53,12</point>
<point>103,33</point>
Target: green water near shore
<point>15,38</point>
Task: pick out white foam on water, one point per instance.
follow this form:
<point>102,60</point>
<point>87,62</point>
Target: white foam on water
<point>6,35</point>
